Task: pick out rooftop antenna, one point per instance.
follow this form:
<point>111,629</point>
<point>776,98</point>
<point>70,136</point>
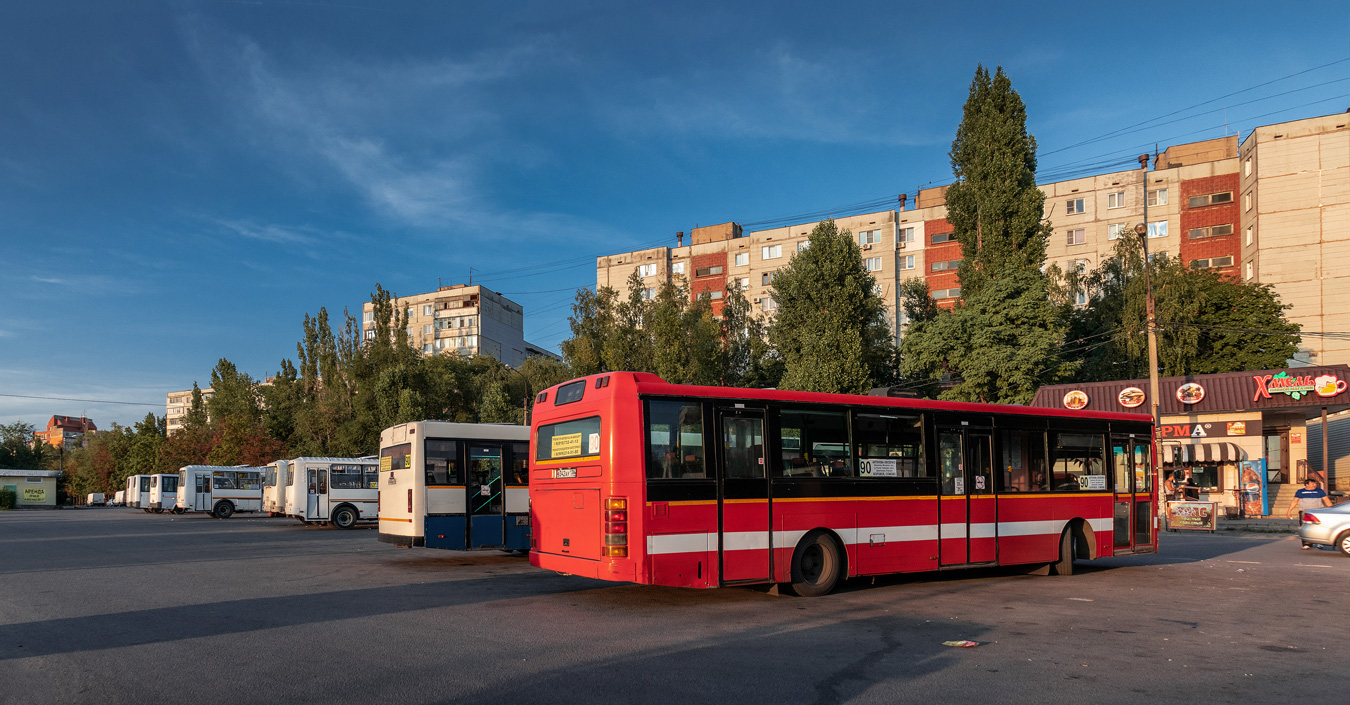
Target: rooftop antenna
<point>470,276</point>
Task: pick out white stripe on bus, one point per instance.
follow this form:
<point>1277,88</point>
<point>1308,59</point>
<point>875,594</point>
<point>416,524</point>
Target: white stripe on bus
<point>660,544</point>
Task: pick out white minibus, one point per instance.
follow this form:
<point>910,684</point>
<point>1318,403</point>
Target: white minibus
<point>222,491</point>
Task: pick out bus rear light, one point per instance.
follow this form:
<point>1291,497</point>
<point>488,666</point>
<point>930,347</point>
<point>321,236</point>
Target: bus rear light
<point>616,516</point>
<point>615,552</point>
<point>409,500</point>
<point>616,527</point>
<point>616,503</point>
<point>616,539</point>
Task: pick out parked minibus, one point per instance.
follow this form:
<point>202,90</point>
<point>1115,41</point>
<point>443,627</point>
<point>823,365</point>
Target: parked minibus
<point>138,492</point>
<point>276,484</point>
<point>222,491</point>
<point>164,493</point>
<point>336,491</point>
<point>455,485</point>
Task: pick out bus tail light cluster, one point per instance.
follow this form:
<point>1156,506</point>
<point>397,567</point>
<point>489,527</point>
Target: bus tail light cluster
<point>410,500</point>
<point>616,528</point>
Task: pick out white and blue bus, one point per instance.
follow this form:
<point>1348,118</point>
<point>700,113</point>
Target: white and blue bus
<point>455,485</point>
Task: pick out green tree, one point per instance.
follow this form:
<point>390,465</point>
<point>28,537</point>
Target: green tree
<point>1003,340</point>
<point>234,395</point>
<point>830,326</point>
<point>196,415</point>
<point>17,449</point>
<point>1207,322</point>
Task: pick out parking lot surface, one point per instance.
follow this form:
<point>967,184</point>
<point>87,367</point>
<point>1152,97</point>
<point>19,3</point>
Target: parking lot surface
<point>117,606</point>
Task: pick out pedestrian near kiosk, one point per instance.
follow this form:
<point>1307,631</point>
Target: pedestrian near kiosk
<point>1310,497</point>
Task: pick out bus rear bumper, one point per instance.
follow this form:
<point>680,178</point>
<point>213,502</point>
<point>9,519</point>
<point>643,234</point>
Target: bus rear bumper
<point>622,570</point>
<point>399,540</point>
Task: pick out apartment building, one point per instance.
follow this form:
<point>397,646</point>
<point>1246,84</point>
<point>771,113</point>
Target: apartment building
<point>176,407</point>
<point>463,320</point>
<point>1275,209</point>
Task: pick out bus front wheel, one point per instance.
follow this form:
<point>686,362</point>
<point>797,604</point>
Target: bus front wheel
<point>1064,566</point>
<point>344,517</point>
<point>816,565</point>
<point>223,510</point>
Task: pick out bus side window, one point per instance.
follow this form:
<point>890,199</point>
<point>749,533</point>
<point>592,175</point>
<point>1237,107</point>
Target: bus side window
<point>1023,461</point>
<point>372,478</point>
<point>675,440</point>
<point>1076,458</point>
<point>891,445</point>
<point>442,463</point>
<point>520,464</point>
<point>815,444</point>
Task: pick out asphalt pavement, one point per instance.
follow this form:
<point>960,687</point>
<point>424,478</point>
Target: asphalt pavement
<point>117,606</point>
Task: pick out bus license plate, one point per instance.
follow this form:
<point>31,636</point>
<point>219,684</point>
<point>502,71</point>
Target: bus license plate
<point>562,473</point>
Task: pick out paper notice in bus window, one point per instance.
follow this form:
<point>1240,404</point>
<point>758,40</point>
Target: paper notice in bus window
<point>878,468</point>
<point>595,444</point>
<point>386,464</point>
<point>958,485</point>
<point>1096,482</point>
<point>566,446</point>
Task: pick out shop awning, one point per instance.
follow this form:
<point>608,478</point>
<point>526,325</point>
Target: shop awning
<point>1177,453</point>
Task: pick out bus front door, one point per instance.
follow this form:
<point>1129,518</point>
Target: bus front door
<point>745,536</point>
<point>1122,476</point>
<point>967,508</point>
<point>486,499</point>
<point>316,500</point>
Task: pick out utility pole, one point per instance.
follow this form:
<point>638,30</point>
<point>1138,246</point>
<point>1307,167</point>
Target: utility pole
<point>1152,326</point>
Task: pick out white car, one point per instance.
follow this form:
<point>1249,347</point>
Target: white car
<point>1327,526</point>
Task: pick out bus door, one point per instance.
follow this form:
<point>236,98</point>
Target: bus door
<point>202,496</point>
<point>316,503</point>
<point>1122,477</point>
<point>967,508</point>
<point>1145,531</point>
<point>744,536</point>
<point>486,497</point>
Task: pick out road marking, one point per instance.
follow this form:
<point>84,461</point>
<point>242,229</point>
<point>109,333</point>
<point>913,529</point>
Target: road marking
<point>1311,565</point>
<point>1247,562</point>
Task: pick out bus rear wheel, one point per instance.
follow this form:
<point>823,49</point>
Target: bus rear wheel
<point>222,510</point>
<point>344,517</point>
<point>816,565</point>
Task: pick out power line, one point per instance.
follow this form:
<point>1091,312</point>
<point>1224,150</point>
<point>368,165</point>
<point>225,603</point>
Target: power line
<point>87,401</point>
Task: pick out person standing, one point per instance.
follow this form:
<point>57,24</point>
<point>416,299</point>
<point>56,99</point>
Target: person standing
<point>1310,497</point>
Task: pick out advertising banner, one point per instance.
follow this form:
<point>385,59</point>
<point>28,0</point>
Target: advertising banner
<point>1192,516</point>
<point>1253,484</point>
<point>34,495</point>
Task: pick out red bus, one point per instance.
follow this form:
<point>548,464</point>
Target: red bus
<point>639,480</point>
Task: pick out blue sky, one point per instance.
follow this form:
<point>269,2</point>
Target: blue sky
<point>183,181</point>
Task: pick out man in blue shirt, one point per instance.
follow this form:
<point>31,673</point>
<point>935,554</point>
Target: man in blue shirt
<point>1310,497</point>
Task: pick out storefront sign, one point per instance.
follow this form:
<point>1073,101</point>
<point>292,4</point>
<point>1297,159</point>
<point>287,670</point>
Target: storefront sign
<point>1075,400</point>
<point>1130,397</point>
<point>1203,430</point>
<point>1236,428</point>
<point>1283,383</point>
<point>34,495</point>
<point>1190,393</point>
<point>1192,516</point>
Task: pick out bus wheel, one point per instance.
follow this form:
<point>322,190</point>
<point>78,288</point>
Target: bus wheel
<point>1064,566</point>
<point>159,510</point>
<point>344,517</point>
<point>223,510</point>
<point>816,565</point>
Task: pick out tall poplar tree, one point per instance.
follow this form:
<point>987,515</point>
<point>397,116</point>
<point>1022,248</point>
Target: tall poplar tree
<point>1002,341</point>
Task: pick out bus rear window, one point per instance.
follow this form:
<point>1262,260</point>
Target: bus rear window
<point>569,439</point>
<point>397,457</point>
<point>569,393</point>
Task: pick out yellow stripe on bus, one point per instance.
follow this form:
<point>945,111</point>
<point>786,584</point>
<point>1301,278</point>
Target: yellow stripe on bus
<point>565,461</point>
<point>393,519</point>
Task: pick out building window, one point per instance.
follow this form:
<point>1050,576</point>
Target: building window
<point>1080,298</point>
<point>1249,270</point>
<point>948,266</point>
<point>766,278</point>
<point>768,304</point>
<point>708,271</point>
<point>803,245</point>
<point>905,235</point>
<point>869,237</point>
<point>426,349</point>
<point>1081,266</point>
<point>714,294</point>
<point>1156,255</point>
<point>677,268</point>
<point>946,293</point>
<point>742,259</point>
<point>1157,229</point>
<point>874,264</point>
<point>427,310</point>
<point>1247,167</point>
<point>1210,199</point>
<point>771,252</point>
<point>1212,262</point>
<point>426,329</point>
<point>1247,202</point>
<point>1115,231</point>
<point>1074,206</point>
<point>1249,234</point>
<point>1211,231</point>
<point>646,270</point>
<point>368,316</point>
<point>370,335</point>
<point>1077,236</point>
<point>942,237</point>
<point>410,311</point>
<point>1157,198</point>
<point>907,262</point>
<point>649,293</point>
<point>1115,200</point>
